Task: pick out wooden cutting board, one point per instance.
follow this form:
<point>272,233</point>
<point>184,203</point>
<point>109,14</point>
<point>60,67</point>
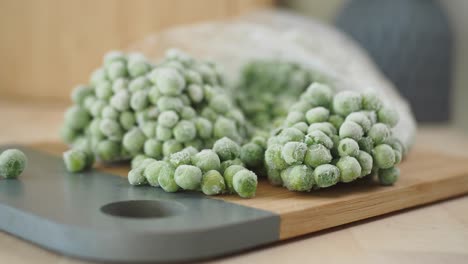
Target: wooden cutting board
<point>426,177</point>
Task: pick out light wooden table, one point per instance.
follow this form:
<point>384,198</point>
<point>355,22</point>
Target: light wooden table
<point>436,233</point>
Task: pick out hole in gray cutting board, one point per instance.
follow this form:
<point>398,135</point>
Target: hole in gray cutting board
<point>143,208</point>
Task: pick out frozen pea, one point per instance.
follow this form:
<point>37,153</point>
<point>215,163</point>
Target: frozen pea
<point>139,100</point>
<point>114,56</point>
<point>137,159</point>
<point>183,157</point>
<point>301,106</point>
<point>185,131</point>
<point>166,178</point>
<point>136,176</point>
<point>384,156</point>
<point>191,150</point>
<point>207,160</point>
<point>111,129</point>
<point>366,144</point>
<point>325,127</point>
<point>294,117</point>
<point>336,120</point>
<point>317,155</point>
<point>251,154</point>
<point>153,148</point>
<point>152,113</point>
<point>12,163</point>
<point>294,152</point>
<point>298,178</point>
<point>89,102</point>
<point>245,183</point>
<point>213,183</point>
<point>395,143</point>
<point>236,115</point>
<point>291,134</point>
<point>274,177</point>
<point>260,141</point>
<point>79,94</point>
<point>188,113</point>
<point>346,102</point>
<point>226,149</point>
<point>225,127</point>
<point>68,134</point>
<point>348,147</point>
<point>273,158</point>
<point>154,95</point>
<point>138,84</point>
<point>350,129</point>
<point>195,93</point>
<point>366,162</point>
<point>134,140</point>
<point>99,75</point>
<point>108,150</point>
<point>326,175</point>
<point>379,133</point>
<point>121,84</point>
<point>370,101</point>
<point>171,146</point>
<point>138,67</point>
<point>116,69</point>
<point>127,120</point>
<point>318,94</point>
<point>96,107</point>
<point>77,117</point>
<point>388,176</point>
<point>302,126</point>
<point>188,177</point>
<point>196,143</point>
<point>168,119</point>
<point>371,115</point>
<point>149,128</point>
<point>361,119</point>
<point>193,77</point>
<point>318,137</point>
<point>94,128</point>
<point>398,156</point>
<point>227,163</point>
<point>163,133</point>
<point>228,175</point>
<point>388,115</point>
<point>317,115</point>
<point>168,80</point>
<point>103,90</point>
<point>120,100</point>
<point>209,114</point>
<point>110,112</point>
<point>152,172</point>
<point>75,160</point>
<point>220,103</point>
<point>166,103</point>
<point>349,168</point>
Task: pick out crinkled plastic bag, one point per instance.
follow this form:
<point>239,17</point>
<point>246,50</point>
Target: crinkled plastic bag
<point>290,37</point>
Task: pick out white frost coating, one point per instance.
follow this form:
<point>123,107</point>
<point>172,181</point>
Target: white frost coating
<point>282,35</point>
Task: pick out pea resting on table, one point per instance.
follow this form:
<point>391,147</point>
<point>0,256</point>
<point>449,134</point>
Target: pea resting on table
<point>12,163</point>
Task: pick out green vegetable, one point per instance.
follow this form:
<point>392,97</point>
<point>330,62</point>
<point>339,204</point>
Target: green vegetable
<point>346,102</point>
<point>12,163</point>
<point>245,183</point>
<point>213,183</point>
<point>348,147</point>
<point>188,177</point>
<point>326,175</point>
<point>298,178</point>
<point>227,149</point>
<point>388,176</point>
<point>384,156</point>
<point>207,160</point>
<point>75,160</point>
<point>349,168</point>
<point>317,155</point>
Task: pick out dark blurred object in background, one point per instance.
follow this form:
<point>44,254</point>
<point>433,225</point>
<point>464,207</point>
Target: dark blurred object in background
<point>411,42</point>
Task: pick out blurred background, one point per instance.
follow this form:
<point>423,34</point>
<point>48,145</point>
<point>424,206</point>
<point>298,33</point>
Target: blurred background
<point>49,46</point>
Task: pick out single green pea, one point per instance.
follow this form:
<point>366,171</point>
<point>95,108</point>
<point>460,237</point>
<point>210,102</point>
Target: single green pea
<point>207,160</point>
<point>185,131</point>
<point>139,84</point>
<point>120,100</point>
<point>226,149</point>
<point>251,154</point>
<point>366,144</point>
<point>139,100</point>
<point>12,163</point>
<point>302,126</point>
<point>336,121</point>
<point>261,141</point>
<point>348,147</point>
<point>317,155</point>
<point>111,129</point>
<point>127,120</point>
<point>121,84</point>
<point>273,158</point>
<point>398,156</point>
<point>154,95</point>
<point>349,168</point>
<point>236,115</point>
<point>108,150</point>
<point>163,133</point>
<point>274,177</point>
<point>169,80</point>
<point>110,112</point>
<point>361,119</point>
<point>346,102</point>
<point>245,183</point>
<point>228,175</point>
<point>116,70</point>
<point>80,93</point>
<point>137,159</point>
<point>291,134</point>
<point>166,178</point>
<point>294,152</point>
<point>388,115</point>
<point>350,129</point>
<point>75,160</point>
<point>149,129</point>
<point>138,67</point>
<point>366,162</point>
<point>325,127</point>
<point>114,56</point>
<point>152,172</point>
<point>370,101</point>
<point>317,115</point>
<point>213,183</point>
<point>384,156</point>
<point>227,163</point>
<point>188,113</point>
<point>221,103</point>
<point>326,175</point>
<point>136,176</point>
<point>295,117</point>
<point>379,133</point>
<point>204,127</point>
<point>168,119</point>
<point>209,114</point>
<point>388,176</point>
<point>134,140</point>
<point>167,103</point>
<point>188,177</point>
<point>318,137</point>
<point>298,178</point>
<point>183,157</point>
<point>103,90</point>
<point>153,148</point>
<point>96,107</point>
<point>318,94</point>
<point>225,127</point>
<point>77,117</point>
<point>99,75</point>
<point>171,146</point>
<point>193,77</point>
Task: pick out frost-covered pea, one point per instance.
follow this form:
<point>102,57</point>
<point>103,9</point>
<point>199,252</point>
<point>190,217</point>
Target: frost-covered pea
<point>294,117</point>
<point>349,168</point>
<point>301,106</point>
<point>302,126</point>
<point>188,177</point>
<point>75,160</point>
<point>220,103</point>
<point>317,115</point>
<point>336,120</point>
<point>325,127</point>
<point>370,101</point>
<point>245,183</point>
<point>379,133</point>
<point>139,84</point>
<point>251,154</point>
<point>273,158</point>
<point>94,128</point>
<point>388,176</point>
<point>348,147</point>
<point>298,178</point>
<point>139,100</point>
<point>346,102</point>
<point>226,149</point>
<point>79,94</point>
<point>207,160</point>
<point>137,159</point>
<point>317,155</point>
<point>294,152</point>
<point>361,119</point>
<point>110,112</point>
<point>103,90</point>
<point>225,127</point>
<point>153,148</point>
<point>96,108</point>
<point>108,150</point>
<point>274,177</point>
<point>76,117</point>
<point>149,128</point>
<point>183,157</point>
<point>111,129</point>
<point>213,183</point>
<point>326,175</point>
<point>68,134</point>
<point>398,156</point>
<point>116,69</point>
<point>193,77</point>
<point>384,156</point>
<point>366,162</point>
<point>350,129</point>
<point>227,163</point>
<point>120,100</point>
<point>291,134</point>
<point>99,75</point>
<point>395,143</point>
<point>166,178</point>
<point>195,93</point>
<point>114,56</point>
<point>152,172</point>
<point>127,120</point>
<point>89,102</point>
<point>228,175</point>
<point>318,137</point>
<point>138,67</point>
<point>318,94</point>
<point>388,115</point>
<point>134,140</point>
<point>188,113</point>
<point>163,133</point>
<point>185,131</point>
<point>366,144</point>
<point>120,84</point>
<point>12,163</point>
<point>166,103</point>
<point>371,115</point>
<point>136,176</point>
<point>168,119</point>
<point>168,80</point>
<point>154,94</point>
<point>171,146</point>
